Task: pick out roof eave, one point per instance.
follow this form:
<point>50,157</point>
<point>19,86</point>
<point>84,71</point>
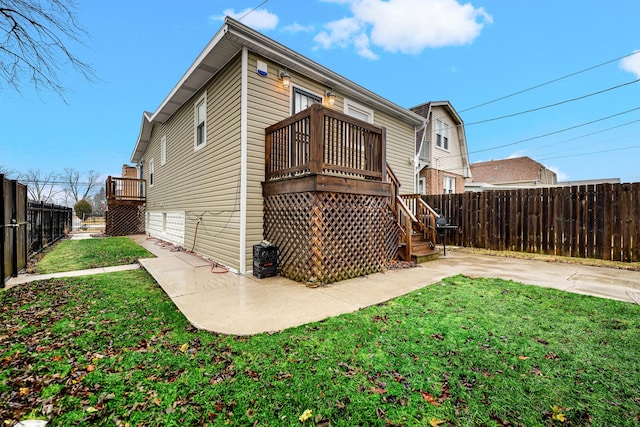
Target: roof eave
<point>300,64</point>
<point>143,138</point>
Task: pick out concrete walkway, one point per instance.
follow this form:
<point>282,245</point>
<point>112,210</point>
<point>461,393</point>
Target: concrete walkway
<point>237,304</point>
<point>26,278</point>
<point>242,305</point>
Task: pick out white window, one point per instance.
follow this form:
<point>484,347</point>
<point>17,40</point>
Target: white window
<point>151,173</point>
<point>424,150</point>
<point>358,111</point>
<point>422,186</point>
<point>449,185</point>
<point>163,150</point>
<point>200,125</point>
<point>303,99</point>
<point>442,135</point>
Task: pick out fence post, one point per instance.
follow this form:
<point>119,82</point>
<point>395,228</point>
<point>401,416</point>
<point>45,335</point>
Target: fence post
<point>14,218</point>
<point>2,231</point>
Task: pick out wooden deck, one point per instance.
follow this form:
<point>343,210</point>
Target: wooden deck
<point>126,198</point>
<point>326,196</point>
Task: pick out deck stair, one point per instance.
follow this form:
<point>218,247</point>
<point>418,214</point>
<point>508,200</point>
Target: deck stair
<point>416,222</point>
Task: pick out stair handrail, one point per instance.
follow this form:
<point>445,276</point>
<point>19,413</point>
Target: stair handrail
<point>432,216</point>
<point>405,219</point>
<point>395,189</point>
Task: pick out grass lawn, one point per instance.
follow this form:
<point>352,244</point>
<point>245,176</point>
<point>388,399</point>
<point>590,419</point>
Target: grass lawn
<point>70,255</point>
<point>112,349</point>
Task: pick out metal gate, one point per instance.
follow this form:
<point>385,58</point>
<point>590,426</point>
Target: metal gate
<point>13,229</point>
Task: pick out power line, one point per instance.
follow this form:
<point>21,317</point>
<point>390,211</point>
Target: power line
<point>547,83</point>
<point>553,105</point>
<point>553,133</point>
<point>584,136</point>
<point>252,10</point>
<point>592,152</point>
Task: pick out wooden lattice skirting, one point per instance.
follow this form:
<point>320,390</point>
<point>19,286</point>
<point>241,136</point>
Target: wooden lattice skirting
<point>125,219</point>
<point>326,237</point>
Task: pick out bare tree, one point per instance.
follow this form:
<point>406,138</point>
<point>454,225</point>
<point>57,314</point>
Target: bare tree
<point>79,187</point>
<point>8,173</point>
<point>34,39</point>
<point>41,187</point>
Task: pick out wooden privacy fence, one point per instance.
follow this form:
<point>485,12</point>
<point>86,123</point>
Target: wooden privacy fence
<point>26,227</point>
<point>13,230</point>
<point>596,221</point>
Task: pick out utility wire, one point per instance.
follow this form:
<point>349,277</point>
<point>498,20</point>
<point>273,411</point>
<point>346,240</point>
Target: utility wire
<point>252,10</point>
<point>592,152</point>
<point>582,136</point>
<point>547,83</point>
<point>553,105</point>
<point>555,132</point>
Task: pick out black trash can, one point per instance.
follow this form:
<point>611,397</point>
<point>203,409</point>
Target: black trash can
<point>265,260</point>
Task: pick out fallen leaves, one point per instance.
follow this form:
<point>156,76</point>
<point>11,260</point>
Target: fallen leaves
<point>557,415</point>
<point>305,415</point>
<point>429,398</point>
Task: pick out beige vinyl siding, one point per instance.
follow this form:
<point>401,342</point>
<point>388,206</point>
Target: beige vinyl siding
<point>448,160</point>
<point>272,103</point>
<point>400,149</point>
<point>267,103</point>
<point>205,183</point>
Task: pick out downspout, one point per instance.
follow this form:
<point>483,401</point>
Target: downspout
<point>243,160</point>
<point>416,161</point>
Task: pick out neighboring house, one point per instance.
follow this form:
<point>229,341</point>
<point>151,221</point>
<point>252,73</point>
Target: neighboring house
<point>231,156</point>
<point>519,172</point>
<point>442,158</point>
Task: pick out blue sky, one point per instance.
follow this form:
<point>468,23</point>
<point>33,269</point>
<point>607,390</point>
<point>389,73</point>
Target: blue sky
<point>409,51</point>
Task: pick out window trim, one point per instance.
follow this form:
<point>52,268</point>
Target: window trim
<point>196,105</point>
<point>303,91</point>
<point>163,150</point>
<point>348,103</point>
<point>422,182</point>
<point>151,173</point>
<point>452,187</point>
<point>443,130</point>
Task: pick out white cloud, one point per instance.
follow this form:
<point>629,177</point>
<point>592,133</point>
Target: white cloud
<point>406,26</point>
<point>632,63</point>
<point>298,28</point>
<point>257,19</point>
<point>339,33</point>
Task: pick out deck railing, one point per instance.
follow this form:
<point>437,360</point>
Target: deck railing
<point>126,189</point>
<point>319,140</point>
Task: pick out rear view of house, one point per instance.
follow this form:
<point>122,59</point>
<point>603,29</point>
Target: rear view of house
<point>256,141</point>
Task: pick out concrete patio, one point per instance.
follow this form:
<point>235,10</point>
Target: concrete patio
<point>242,304</point>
